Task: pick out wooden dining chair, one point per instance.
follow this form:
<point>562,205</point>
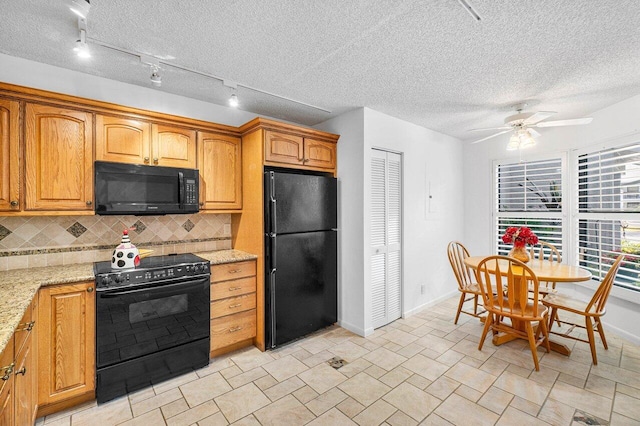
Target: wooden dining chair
<point>592,311</point>
<point>549,252</point>
<point>467,285</point>
<point>504,283</point>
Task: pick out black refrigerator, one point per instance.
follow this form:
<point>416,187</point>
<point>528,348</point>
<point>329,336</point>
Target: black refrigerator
<point>300,255</point>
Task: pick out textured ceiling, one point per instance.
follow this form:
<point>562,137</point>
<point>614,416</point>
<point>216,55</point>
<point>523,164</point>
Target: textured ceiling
<point>427,62</point>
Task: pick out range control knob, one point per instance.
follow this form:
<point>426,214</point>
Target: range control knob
<point>119,278</point>
<point>105,281</point>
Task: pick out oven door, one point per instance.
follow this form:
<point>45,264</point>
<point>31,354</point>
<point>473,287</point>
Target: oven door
<point>132,323</point>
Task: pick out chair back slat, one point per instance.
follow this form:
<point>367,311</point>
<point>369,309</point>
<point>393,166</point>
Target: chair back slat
<point>504,283</point>
<point>457,253</point>
<point>599,299</point>
<point>545,251</point>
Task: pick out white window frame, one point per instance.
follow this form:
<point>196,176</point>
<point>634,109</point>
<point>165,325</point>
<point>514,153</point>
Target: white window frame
<point>567,199</point>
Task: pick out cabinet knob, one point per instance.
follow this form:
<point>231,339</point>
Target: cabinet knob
<point>146,159</point>
<point>14,203</point>
<point>155,161</point>
<point>22,371</point>
<point>7,371</point>
<point>90,290</point>
<point>201,204</point>
<point>89,202</point>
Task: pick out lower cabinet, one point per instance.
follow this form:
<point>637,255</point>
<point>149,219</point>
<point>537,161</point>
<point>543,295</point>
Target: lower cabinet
<point>233,306</point>
<point>19,374</point>
<point>66,339</point>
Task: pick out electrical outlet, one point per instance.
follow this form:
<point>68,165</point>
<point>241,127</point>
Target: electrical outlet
<point>422,289</point>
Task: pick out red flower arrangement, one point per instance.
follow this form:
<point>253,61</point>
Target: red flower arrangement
<point>519,237</point>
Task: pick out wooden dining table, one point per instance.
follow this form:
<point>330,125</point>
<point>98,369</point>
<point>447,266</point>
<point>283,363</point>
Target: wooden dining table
<point>545,271</point>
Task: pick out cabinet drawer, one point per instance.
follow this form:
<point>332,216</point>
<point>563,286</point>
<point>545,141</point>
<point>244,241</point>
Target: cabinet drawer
<point>231,271</point>
<point>233,305</point>
<point>231,329</point>
<point>225,289</point>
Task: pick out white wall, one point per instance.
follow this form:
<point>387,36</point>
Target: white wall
<point>428,158</point>
<point>614,125</point>
<point>27,73</point>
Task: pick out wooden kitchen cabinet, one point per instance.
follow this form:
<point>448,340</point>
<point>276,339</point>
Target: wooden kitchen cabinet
<point>122,140</point>
<point>173,146</point>
<point>233,306</point>
<point>288,149</point>
<point>19,373</point>
<point>26,370</point>
<point>9,155</point>
<point>58,158</point>
<point>125,140</point>
<point>220,166</point>
<point>6,386</point>
<point>66,341</point>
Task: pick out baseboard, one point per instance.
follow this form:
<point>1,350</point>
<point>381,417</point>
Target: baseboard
<point>621,333</point>
<point>429,304</point>
<point>354,329</point>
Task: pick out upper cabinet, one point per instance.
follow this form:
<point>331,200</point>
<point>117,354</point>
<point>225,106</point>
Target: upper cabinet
<point>9,155</point>
<point>58,158</point>
<point>220,166</point>
<point>298,151</point>
<point>125,140</point>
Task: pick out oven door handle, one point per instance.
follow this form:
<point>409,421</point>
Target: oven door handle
<point>157,290</point>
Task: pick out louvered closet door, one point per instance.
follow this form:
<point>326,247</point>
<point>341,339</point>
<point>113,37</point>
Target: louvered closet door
<point>386,231</point>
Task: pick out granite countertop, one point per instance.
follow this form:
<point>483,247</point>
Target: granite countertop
<point>19,286</point>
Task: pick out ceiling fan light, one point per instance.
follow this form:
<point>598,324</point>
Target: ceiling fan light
<point>514,143</point>
<point>526,141</point>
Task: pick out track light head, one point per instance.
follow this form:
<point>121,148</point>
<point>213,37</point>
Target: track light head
<point>80,7</point>
<point>82,48</point>
<point>156,78</point>
<point>233,100</point>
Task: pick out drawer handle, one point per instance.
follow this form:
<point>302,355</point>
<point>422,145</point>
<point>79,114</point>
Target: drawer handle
<point>237,305</point>
<point>28,326</point>
<point>234,329</point>
<point>234,271</point>
<point>22,371</point>
<point>234,288</point>
<point>7,371</point>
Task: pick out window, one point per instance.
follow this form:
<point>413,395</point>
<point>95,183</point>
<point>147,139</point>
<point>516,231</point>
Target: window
<point>530,194</point>
<point>608,223</point>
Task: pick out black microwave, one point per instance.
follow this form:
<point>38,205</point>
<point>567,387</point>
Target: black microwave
<point>145,190</point>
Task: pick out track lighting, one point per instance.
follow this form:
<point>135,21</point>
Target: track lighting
<point>80,7</point>
<point>233,100</point>
<point>156,78</point>
<point>82,48</point>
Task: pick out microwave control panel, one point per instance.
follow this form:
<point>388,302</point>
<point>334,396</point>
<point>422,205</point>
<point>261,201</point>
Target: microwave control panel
<point>191,191</point>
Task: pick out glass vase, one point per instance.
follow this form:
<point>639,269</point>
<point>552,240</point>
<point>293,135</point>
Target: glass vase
<point>519,253</point>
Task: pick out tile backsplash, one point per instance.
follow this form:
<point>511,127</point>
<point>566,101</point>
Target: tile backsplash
<point>59,240</point>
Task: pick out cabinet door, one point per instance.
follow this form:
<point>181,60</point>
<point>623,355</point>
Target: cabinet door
<point>173,146</point>
<point>319,154</point>
<point>220,166</point>
<point>66,338</point>
<point>6,386</point>
<point>9,155</point>
<point>122,140</point>
<point>58,159</point>
<point>25,382</point>
<point>283,148</point>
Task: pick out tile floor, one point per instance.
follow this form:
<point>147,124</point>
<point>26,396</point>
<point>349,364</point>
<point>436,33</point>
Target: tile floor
<point>419,370</point>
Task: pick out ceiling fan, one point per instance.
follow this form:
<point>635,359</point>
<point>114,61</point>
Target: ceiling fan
<point>522,124</point>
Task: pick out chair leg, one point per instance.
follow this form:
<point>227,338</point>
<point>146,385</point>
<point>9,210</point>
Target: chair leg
<point>532,344</point>
<point>459,307</point>
<point>545,333</point>
<point>475,304</point>
<point>487,323</point>
<point>552,317</point>
<point>592,339</point>
<point>601,332</point>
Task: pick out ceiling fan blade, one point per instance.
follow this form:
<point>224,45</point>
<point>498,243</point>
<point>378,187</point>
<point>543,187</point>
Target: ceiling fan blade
<point>491,128</point>
<point>538,116</point>
<point>534,133</point>
<point>492,136</point>
<point>572,122</point>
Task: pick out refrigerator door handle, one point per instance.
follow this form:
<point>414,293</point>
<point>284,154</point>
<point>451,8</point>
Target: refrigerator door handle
<point>272,203</point>
<point>272,250</point>
<point>272,293</point>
